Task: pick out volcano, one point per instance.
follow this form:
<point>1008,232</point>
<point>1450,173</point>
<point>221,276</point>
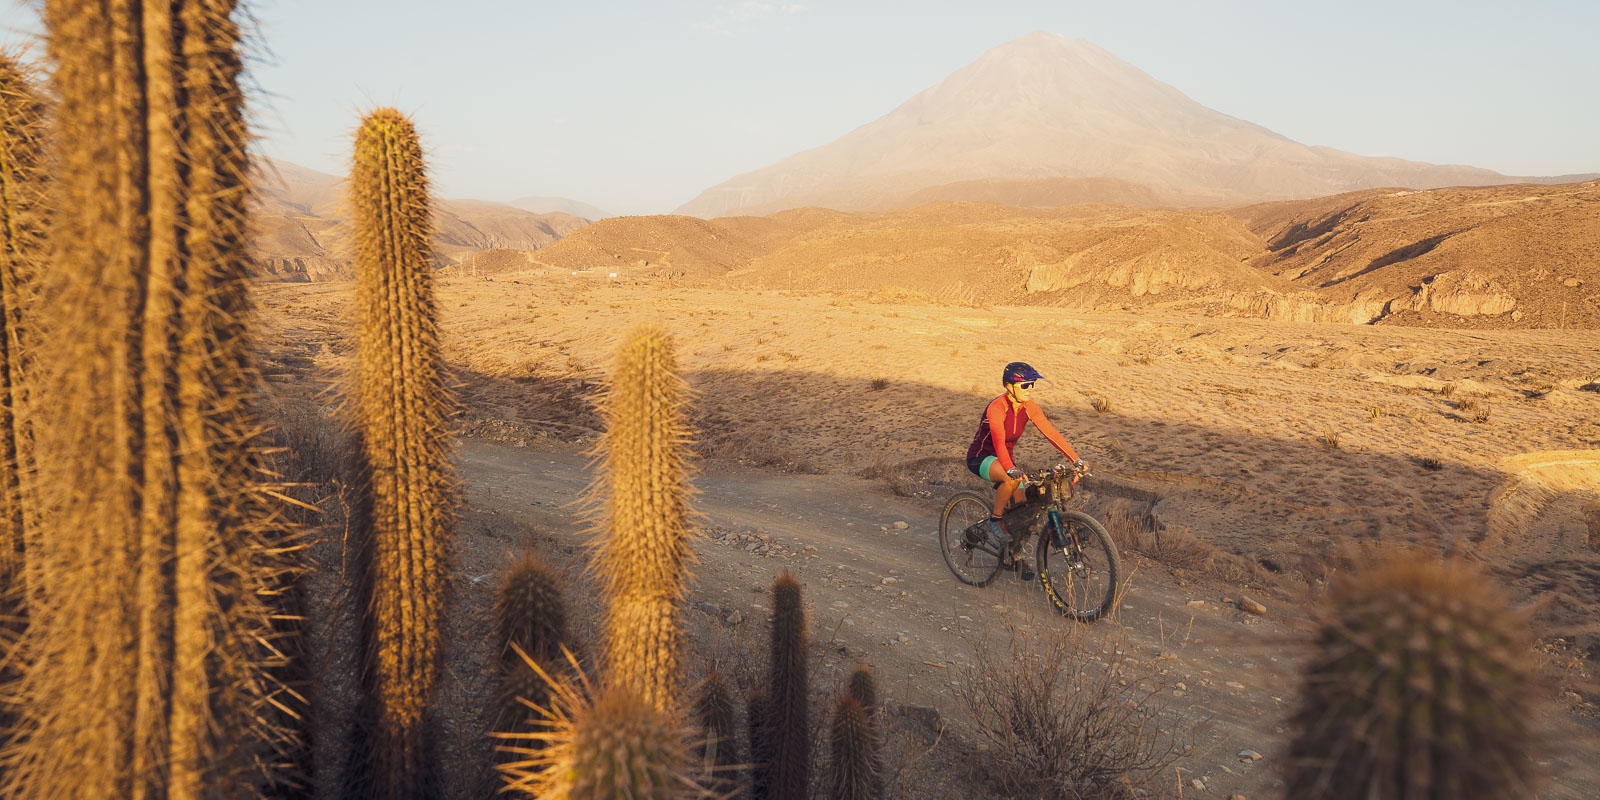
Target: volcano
<point>1046,107</point>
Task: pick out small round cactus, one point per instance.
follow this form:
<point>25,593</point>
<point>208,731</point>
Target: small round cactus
<point>1421,685</point>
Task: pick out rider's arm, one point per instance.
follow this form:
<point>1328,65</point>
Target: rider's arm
<point>997,432</point>
<point>1037,417</point>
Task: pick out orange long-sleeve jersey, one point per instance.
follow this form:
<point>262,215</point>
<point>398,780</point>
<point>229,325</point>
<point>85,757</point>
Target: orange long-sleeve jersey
<point>1002,422</point>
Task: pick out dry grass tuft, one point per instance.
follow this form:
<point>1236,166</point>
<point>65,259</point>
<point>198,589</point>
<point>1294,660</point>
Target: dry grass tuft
<point>1330,439</point>
<point>923,477</point>
<point>1374,413</point>
<point>1447,390</point>
<point>1060,721</point>
<point>1481,415</point>
<point>1431,464</point>
<point>1100,403</point>
<point>878,385</point>
<point>1467,405</point>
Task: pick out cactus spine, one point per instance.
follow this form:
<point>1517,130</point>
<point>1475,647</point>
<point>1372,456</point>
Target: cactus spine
<point>788,728</point>
<point>143,644</point>
<point>854,773</point>
<point>1421,685</point>
<point>401,406</point>
<point>22,183</point>
<point>643,494</point>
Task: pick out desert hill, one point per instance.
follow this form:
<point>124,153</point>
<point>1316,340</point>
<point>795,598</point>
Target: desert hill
<point>1523,255</point>
<point>299,231</point>
<point>1087,255</point>
<point>559,205</point>
<point>1046,106</point>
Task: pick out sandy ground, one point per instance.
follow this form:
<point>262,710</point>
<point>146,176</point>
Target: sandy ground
<point>1269,443</point>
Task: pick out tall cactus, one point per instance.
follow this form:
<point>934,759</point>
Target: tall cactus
<point>401,405</point>
<point>1421,685</point>
<point>758,705</point>
<point>853,770</point>
<point>642,496</point>
<point>22,181</point>
<point>788,718</point>
<point>144,654</point>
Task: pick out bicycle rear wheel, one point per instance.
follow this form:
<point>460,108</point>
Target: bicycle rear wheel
<point>964,539</point>
<point>1080,568</point>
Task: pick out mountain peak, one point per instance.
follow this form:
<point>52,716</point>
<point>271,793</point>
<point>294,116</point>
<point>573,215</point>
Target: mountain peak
<point>1046,106</point>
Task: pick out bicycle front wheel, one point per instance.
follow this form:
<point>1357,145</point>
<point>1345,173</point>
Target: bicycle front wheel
<point>964,539</point>
<point>1079,567</point>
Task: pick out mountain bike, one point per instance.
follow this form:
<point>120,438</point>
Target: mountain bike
<point>1077,563</point>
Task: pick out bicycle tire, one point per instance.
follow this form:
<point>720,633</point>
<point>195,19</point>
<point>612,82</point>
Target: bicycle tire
<point>1074,579</point>
<point>969,563</point>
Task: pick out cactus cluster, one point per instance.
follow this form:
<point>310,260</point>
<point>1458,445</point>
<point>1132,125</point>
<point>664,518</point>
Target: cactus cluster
<point>160,576</point>
<point>151,441</point>
<point>1421,685</point>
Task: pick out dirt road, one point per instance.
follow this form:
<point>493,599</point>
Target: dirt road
<point>884,597</point>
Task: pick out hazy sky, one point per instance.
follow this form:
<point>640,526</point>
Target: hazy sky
<point>637,107</point>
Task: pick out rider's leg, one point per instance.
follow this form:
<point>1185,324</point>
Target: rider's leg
<point>1006,492</point>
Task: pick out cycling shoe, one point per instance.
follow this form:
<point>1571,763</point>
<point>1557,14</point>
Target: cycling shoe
<point>997,532</point>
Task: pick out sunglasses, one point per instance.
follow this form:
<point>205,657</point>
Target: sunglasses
<point>1025,385</point>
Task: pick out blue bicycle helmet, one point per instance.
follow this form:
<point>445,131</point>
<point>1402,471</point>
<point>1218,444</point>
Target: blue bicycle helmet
<point>1018,372</point>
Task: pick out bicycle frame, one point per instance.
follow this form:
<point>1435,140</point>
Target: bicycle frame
<point>1060,486</point>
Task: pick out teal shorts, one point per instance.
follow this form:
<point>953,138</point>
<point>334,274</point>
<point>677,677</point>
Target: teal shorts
<point>980,468</point>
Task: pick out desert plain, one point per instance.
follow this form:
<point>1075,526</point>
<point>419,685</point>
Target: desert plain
<point>1236,461</point>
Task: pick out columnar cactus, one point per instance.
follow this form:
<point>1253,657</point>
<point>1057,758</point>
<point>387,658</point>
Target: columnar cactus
<point>145,674</point>
<point>1421,685</point>
<point>401,405</point>
<point>719,749</point>
<point>530,623</point>
<point>642,495</point>
<point>22,182</point>
<point>864,688</point>
<point>788,720</point>
<point>758,711</point>
<point>853,771</point>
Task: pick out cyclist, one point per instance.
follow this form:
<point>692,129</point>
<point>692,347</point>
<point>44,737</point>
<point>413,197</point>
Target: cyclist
<point>989,456</point>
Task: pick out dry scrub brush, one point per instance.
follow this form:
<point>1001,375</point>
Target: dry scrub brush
<point>401,403</point>
<point>1422,684</point>
<point>149,634</point>
<point>1058,718</point>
